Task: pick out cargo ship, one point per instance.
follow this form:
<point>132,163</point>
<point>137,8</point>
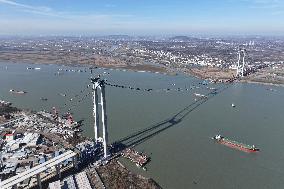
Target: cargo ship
<point>234,144</point>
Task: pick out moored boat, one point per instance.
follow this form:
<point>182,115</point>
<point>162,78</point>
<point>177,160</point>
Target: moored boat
<point>5,103</point>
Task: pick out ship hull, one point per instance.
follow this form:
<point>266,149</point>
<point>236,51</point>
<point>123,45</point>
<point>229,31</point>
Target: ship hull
<point>236,145</point>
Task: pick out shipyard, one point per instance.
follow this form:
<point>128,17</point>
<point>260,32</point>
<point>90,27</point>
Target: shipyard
<point>42,149</point>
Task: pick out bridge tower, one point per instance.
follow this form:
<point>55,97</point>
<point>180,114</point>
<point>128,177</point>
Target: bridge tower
<point>99,87</point>
<point>241,65</point>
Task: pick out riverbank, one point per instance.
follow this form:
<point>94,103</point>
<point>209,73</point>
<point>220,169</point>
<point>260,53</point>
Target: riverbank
<point>76,58</point>
<point>210,73</point>
<point>115,175</point>
<point>6,111</point>
<point>267,76</point>
<point>72,60</point>
<point>261,83</point>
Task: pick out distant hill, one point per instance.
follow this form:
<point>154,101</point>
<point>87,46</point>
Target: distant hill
<point>118,37</point>
<point>182,38</point>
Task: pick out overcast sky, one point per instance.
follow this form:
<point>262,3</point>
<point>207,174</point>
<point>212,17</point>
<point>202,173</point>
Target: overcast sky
<point>140,17</point>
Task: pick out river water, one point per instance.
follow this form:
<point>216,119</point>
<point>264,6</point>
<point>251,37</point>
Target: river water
<point>171,127</point>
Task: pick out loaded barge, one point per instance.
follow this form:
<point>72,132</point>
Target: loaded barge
<point>139,159</point>
<point>234,144</point>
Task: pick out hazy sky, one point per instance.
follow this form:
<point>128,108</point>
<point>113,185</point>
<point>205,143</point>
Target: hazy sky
<point>141,17</point>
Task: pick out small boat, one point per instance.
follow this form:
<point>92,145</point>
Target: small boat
<point>270,89</point>
<point>31,68</point>
<point>234,144</point>
<point>17,92</point>
<point>233,105</point>
<point>205,82</point>
<point>61,94</point>
<point>200,95</point>
<point>43,99</point>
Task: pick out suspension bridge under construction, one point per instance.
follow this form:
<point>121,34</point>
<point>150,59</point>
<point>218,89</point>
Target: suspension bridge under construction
<point>102,149</point>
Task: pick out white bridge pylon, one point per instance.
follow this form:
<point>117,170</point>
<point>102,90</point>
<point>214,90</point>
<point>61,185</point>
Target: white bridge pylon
<point>241,66</point>
<point>99,87</point>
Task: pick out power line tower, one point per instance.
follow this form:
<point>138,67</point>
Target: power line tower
<point>99,87</point>
<point>241,66</point>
